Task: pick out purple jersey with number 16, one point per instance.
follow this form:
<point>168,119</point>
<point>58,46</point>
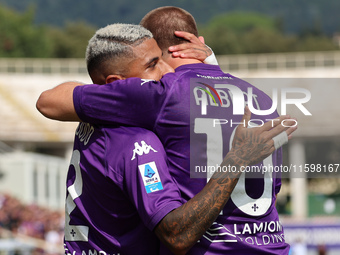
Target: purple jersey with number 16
<point>118,189</point>
<point>196,133</point>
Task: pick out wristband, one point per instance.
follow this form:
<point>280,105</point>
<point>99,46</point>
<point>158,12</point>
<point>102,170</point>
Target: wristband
<point>211,60</point>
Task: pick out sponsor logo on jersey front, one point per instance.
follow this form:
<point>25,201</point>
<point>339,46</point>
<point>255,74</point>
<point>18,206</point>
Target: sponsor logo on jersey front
<point>150,177</point>
<point>141,149</point>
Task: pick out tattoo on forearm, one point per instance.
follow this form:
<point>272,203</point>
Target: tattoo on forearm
<point>189,222</point>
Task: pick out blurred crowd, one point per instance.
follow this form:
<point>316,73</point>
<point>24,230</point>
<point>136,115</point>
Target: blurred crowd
<point>31,220</point>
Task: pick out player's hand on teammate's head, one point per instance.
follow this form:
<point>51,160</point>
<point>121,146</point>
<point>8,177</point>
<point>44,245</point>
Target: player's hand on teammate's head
<point>194,49</point>
<point>254,144</point>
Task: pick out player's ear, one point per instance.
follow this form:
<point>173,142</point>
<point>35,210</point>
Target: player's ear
<point>114,77</point>
<point>201,38</point>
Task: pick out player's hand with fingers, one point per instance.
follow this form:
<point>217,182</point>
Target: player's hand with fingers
<point>195,49</point>
<point>252,145</point>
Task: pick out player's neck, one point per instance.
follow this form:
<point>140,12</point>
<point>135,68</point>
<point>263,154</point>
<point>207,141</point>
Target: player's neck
<point>176,62</point>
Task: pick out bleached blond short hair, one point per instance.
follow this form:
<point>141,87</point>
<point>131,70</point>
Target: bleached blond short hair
<point>113,42</point>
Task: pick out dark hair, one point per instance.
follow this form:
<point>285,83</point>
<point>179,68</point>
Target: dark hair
<point>164,21</point>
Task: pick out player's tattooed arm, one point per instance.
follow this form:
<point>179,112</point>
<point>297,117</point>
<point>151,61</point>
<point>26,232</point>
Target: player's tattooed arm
<point>57,103</point>
<point>181,228</point>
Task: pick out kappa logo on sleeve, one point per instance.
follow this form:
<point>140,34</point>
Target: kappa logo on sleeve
<point>141,149</point>
<point>151,179</point>
<point>145,81</point>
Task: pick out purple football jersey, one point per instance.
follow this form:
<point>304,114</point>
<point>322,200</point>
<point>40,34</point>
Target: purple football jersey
<point>172,108</point>
<point>118,189</point>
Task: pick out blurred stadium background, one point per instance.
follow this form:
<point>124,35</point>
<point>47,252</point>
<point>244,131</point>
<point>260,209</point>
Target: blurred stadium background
<point>35,152</point>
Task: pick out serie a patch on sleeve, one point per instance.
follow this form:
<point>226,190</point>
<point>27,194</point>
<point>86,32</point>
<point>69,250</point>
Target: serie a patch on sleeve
<point>150,176</point>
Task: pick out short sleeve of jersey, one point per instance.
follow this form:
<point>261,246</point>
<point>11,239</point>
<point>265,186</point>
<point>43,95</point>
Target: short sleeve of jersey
<point>133,102</point>
<point>146,179</point>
